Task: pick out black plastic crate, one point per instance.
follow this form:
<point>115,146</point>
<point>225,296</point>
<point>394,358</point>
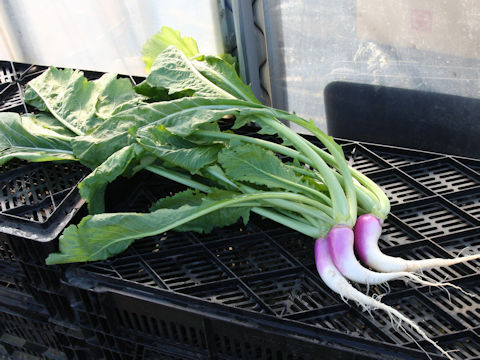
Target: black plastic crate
<point>25,327</point>
<point>13,77</point>
<point>15,348</point>
<point>7,73</point>
<point>37,201</point>
<point>363,160</point>
<point>12,277</point>
<point>191,328</point>
<point>261,278</point>
<point>444,175</point>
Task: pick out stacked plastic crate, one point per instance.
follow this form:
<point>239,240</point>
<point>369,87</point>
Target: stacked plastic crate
<point>36,201</point>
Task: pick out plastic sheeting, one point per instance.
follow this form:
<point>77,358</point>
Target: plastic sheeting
<point>428,45</point>
<point>103,35</point>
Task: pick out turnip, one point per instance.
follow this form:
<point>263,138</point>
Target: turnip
<point>341,240</point>
<point>332,277</point>
<point>368,229</point>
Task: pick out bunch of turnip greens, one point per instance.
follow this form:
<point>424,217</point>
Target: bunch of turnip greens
<point>169,125</point>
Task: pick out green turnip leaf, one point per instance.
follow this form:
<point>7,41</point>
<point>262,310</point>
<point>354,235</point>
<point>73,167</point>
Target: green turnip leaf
<point>33,138</point>
<point>92,188</point>
<point>224,75</point>
<point>177,150</point>
<point>101,236</point>
<point>173,71</point>
<point>162,40</point>
<point>256,165</point>
<point>206,223</point>
<point>180,117</point>
<point>79,104</point>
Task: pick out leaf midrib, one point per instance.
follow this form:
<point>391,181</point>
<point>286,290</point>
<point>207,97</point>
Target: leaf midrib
<point>53,150</point>
<point>203,78</point>
<point>207,209</point>
<point>225,79</point>
<point>196,108</point>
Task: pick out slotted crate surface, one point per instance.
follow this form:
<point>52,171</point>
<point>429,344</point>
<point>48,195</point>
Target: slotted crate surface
<point>434,217</point>
<point>363,159</point>
<point>7,72</point>
<point>398,188</point>
<point>39,199</point>
<point>35,192</point>
<point>11,97</point>
<point>396,157</point>
<point>13,78</point>
<point>443,176</point>
<point>468,201</point>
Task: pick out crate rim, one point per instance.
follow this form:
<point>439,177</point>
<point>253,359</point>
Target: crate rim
<point>44,232</point>
<point>101,284</point>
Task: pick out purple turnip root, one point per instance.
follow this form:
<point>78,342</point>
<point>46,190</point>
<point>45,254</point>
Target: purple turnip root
<point>341,240</point>
<point>368,229</point>
<point>332,277</point>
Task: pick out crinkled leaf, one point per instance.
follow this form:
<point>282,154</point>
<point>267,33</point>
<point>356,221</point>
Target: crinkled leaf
<point>259,166</point>
<point>44,124</point>
<point>224,75</point>
<point>174,76</point>
<point>181,117</point>
<point>173,71</point>
<point>115,96</point>
<point>77,103</point>
<point>33,138</point>
<point>232,60</point>
<point>162,40</point>
<point>159,93</point>
<point>101,236</point>
<point>176,150</point>
<point>92,188</point>
<point>67,95</point>
<point>93,151</point>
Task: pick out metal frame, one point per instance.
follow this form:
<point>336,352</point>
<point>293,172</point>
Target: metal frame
<point>251,35</point>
